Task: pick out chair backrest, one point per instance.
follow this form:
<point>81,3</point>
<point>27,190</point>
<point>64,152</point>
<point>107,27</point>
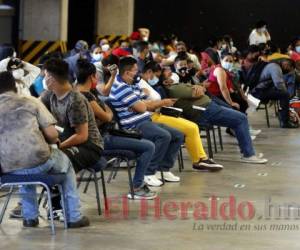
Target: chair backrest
<point>115,113</point>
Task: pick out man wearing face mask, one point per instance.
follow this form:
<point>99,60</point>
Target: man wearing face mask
<point>133,108</point>
<point>142,55</point>
<point>182,72</point>
<point>260,34</point>
<point>80,139</point>
<point>81,51</point>
<point>182,49</point>
<point>23,72</point>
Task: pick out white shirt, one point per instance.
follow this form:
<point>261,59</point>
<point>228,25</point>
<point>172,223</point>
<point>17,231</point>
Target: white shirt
<point>192,57</point>
<point>255,38</point>
<point>153,96</point>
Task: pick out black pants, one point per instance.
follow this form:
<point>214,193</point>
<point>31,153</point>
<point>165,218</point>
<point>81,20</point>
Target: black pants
<point>235,97</point>
<point>84,155</point>
<point>275,94</point>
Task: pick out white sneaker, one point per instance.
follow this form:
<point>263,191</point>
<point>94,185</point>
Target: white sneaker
<point>260,155</point>
<point>253,137</point>
<point>255,132</point>
<point>254,160</point>
<point>152,180</point>
<point>168,176</point>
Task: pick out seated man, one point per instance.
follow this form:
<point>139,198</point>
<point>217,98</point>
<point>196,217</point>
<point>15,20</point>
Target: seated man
<point>25,150</point>
<point>143,149</point>
<point>211,113</point>
<point>80,138</point>
<point>266,82</point>
<point>129,102</point>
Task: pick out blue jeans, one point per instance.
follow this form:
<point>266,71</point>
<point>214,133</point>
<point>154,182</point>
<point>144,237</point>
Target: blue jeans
<point>144,150</point>
<point>227,117</point>
<point>167,144</point>
<point>58,163</point>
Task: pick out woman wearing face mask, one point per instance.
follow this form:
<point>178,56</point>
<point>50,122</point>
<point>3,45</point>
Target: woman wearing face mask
<point>97,55</point>
<point>221,84</point>
<point>260,34</point>
<point>294,51</point>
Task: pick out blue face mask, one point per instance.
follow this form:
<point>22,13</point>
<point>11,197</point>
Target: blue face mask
<point>297,49</point>
<point>153,81</point>
<point>38,84</point>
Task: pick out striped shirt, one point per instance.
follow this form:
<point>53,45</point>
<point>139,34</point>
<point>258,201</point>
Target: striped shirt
<point>122,97</point>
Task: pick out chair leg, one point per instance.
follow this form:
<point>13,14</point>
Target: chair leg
<point>80,178</point>
<point>41,196</point>
<point>104,190</point>
<point>179,163</point>
<point>220,138</point>
<point>267,115</point>
<point>95,179</point>
<point>62,198</point>
<point>214,138</point>
<point>8,196</point>
<point>162,176</point>
<point>210,152</point>
<point>50,208</point>
<point>88,183</point>
<point>130,180</point>
<point>181,158</point>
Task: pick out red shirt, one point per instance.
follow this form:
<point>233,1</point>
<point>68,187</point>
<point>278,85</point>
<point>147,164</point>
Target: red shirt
<point>214,87</point>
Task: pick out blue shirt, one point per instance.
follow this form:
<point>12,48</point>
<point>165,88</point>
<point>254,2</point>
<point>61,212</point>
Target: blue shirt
<point>122,97</point>
<point>273,72</point>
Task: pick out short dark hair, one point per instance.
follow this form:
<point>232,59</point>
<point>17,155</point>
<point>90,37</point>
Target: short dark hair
<point>110,60</point>
<point>251,49</point>
<point>6,50</point>
<point>7,82</point>
<point>225,53</point>
<point>141,46</point>
<point>126,64</point>
<point>58,68</point>
<point>85,69</point>
<point>181,57</point>
<point>149,66</point>
<point>260,24</point>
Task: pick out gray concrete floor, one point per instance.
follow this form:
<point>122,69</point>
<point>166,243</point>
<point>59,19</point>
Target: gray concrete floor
<point>278,180</point>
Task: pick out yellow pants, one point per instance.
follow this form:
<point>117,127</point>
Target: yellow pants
<point>193,141</point>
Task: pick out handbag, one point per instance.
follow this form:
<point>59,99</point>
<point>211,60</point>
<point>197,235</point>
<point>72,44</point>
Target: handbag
<point>129,133</point>
<point>171,111</point>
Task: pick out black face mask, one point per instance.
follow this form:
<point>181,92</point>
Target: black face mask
<point>192,71</point>
<point>136,78</point>
<point>183,70</point>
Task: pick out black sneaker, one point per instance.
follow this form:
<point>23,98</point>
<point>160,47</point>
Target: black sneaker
<point>16,213</point>
<point>208,165</point>
<point>143,193</point>
<point>230,132</point>
<point>31,223</point>
<point>290,125</point>
<point>83,222</point>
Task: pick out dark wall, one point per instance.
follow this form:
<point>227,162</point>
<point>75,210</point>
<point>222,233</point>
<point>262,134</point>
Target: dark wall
<point>195,21</point>
<point>81,23</point>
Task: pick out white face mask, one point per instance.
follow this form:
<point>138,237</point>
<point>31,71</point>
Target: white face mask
<point>45,84</point>
<point>97,57</point>
<point>18,74</point>
<point>14,54</point>
<point>227,65</point>
<point>105,47</point>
